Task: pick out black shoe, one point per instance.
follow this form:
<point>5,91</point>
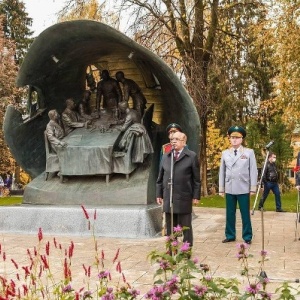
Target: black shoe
<point>228,240</point>
<point>248,242</point>
<point>280,210</point>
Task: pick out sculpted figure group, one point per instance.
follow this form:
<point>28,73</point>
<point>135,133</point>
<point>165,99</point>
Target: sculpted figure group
<point>112,111</point>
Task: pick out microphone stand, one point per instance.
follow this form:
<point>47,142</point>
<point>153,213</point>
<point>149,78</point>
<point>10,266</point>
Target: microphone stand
<point>262,274</point>
<point>171,191</point>
<point>260,181</point>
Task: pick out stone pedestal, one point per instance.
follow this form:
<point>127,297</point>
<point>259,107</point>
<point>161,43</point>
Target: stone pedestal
<point>130,221</point>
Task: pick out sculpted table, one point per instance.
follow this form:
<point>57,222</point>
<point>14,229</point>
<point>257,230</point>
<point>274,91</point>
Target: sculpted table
<point>89,152</point>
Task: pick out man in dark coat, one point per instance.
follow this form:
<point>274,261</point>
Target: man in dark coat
<point>186,185</point>
<point>270,181</point>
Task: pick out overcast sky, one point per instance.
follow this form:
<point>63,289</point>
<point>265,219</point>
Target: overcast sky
<point>43,13</point>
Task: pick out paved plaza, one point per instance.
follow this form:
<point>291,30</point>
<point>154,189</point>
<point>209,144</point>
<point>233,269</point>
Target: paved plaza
<point>280,242</point>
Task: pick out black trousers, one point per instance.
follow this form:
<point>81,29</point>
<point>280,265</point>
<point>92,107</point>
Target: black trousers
<point>182,220</point>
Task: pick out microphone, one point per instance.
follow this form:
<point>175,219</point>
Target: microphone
<point>269,145</point>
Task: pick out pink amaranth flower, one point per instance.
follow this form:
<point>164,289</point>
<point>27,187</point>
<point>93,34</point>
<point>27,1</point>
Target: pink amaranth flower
<point>253,288</point>
<point>103,274</point>
<point>71,249</point>
<point>195,260</point>
<point>172,285</point>
<point>45,262</point>
<point>263,253</point>
<point>116,256</point>
<point>109,294</point>
<point>40,234</point>
<point>242,246</point>
<point>174,243</point>
<point>168,238</point>
<point>164,264</point>
<point>178,228</point>
<point>85,269</point>
<point>118,267</point>
<point>200,290</point>
<point>156,293</point>
<point>185,247</point>
<point>87,294</point>
<point>48,248</point>
<point>15,264</point>
<point>134,293</point>
<point>208,278</point>
<point>67,288</point>
<point>85,212</point>
<point>27,272</point>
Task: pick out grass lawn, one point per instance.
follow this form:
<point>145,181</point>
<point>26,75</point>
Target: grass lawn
<point>13,200</point>
<point>288,200</point>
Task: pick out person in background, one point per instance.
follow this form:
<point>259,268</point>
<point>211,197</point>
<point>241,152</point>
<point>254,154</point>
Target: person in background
<point>8,181</point>
<point>237,181</point>
<point>270,183</point>
<point>171,129</point>
<point>186,185</point>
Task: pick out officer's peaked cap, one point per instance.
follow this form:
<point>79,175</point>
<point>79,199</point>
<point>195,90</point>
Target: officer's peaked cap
<point>173,126</point>
<point>237,131</point>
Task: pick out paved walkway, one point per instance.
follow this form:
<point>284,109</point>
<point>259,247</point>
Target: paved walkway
<point>283,250</point>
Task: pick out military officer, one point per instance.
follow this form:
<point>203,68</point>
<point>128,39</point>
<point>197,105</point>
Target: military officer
<point>237,180</point>
<point>171,129</point>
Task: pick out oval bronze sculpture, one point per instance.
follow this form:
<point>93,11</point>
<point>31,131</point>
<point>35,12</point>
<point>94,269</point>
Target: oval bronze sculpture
<point>56,68</point>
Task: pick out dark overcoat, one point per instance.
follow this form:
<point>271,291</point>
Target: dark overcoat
<point>186,182</point>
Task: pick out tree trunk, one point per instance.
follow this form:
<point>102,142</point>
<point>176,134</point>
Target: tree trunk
<point>17,173</point>
<point>203,156</point>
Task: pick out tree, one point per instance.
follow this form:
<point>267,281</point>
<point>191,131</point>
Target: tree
<point>16,24</point>
<point>9,94</point>
<point>89,9</point>
<point>284,31</point>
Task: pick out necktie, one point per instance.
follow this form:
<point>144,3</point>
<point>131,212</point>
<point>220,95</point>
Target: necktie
<point>235,151</point>
<point>176,155</point>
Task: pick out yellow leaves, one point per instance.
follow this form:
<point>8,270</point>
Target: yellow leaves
<point>216,143</point>
<point>90,10</point>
